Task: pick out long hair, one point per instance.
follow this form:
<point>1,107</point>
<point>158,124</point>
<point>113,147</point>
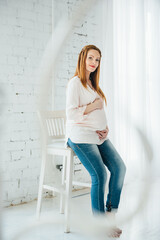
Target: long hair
<point>94,76</point>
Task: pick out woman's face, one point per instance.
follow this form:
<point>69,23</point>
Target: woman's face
<point>92,60</point>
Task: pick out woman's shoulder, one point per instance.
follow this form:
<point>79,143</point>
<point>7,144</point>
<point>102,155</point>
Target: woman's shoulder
<point>74,81</point>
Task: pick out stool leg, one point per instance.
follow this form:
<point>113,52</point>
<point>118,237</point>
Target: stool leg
<point>63,184</point>
<point>41,180</point>
<point>68,190</point>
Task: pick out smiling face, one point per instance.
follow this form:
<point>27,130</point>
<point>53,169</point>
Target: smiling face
<point>92,60</point>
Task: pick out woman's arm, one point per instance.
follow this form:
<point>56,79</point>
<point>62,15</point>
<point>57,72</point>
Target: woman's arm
<point>74,112</point>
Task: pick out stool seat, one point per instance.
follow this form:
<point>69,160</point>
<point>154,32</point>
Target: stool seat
<point>56,143</point>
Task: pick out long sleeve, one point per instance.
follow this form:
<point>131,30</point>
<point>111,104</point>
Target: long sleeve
<point>74,112</point>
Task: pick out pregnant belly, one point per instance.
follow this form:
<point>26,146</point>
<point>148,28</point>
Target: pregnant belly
<point>96,120</point>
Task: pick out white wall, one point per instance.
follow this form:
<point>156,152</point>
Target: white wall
<point>25,28</point>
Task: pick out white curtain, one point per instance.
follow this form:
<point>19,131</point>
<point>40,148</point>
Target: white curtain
<point>131,78</point>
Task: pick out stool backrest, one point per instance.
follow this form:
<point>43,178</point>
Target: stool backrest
<point>53,123</point>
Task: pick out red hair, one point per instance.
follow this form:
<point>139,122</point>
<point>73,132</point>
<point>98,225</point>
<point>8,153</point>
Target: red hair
<point>81,69</point>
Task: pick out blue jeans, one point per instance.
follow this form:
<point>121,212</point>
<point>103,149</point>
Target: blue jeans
<point>94,158</point>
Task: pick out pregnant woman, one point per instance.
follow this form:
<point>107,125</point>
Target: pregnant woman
<point>87,134</point>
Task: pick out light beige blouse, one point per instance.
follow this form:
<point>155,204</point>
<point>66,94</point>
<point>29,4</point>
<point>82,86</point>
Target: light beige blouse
<point>82,128</point>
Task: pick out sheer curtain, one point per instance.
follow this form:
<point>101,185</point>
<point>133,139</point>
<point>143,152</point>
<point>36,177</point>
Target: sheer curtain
<point>131,78</point>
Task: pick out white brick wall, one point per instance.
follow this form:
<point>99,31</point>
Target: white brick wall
<point>25,28</point>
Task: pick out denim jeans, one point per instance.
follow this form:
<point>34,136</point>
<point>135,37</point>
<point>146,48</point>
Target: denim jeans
<point>94,158</point>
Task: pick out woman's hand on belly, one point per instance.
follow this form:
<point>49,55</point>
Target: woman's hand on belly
<point>103,133</point>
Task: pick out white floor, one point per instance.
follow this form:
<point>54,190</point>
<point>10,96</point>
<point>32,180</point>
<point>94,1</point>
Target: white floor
<point>144,225</point>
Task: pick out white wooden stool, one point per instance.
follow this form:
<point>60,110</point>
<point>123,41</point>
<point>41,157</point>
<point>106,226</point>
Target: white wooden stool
<point>53,143</point>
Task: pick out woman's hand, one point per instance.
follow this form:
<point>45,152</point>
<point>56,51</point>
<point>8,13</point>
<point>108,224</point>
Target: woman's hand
<point>98,103</point>
<point>103,134</point>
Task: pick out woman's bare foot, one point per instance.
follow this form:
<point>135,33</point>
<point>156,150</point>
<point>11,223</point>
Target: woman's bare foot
<point>118,230</point>
<point>113,234</point>
<point>113,231</point>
